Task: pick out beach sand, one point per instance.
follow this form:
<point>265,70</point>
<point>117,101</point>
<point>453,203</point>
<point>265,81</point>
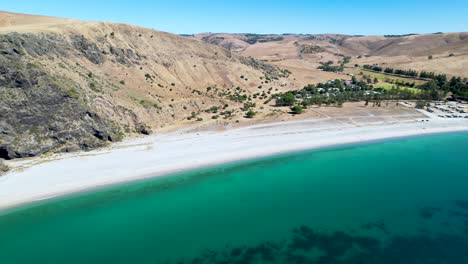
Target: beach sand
<point>160,154</point>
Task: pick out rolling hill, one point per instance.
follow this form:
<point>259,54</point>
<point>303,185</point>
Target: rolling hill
<point>301,54</point>
<point>67,85</point>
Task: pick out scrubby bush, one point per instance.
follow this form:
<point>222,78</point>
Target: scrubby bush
<point>250,114</point>
<point>297,109</point>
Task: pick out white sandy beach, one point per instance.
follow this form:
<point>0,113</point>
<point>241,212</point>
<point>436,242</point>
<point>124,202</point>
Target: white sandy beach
<point>156,155</point>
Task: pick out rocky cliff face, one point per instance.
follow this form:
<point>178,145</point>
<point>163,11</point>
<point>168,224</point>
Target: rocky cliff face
<point>72,85</point>
<point>39,113</point>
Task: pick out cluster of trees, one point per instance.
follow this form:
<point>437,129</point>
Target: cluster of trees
<point>403,83</point>
<point>374,67</point>
<point>397,36</point>
<point>433,76</point>
<point>459,88</point>
<point>438,86</point>
<point>378,68</point>
<point>374,96</point>
<point>286,99</point>
<point>441,84</point>
<point>329,67</point>
<point>335,93</point>
<point>409,73</point>
<point>254,38</point>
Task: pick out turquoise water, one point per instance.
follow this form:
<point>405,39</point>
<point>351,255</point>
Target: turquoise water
<point>401,201</point>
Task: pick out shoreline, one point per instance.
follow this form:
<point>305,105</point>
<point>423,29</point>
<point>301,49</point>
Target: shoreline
<point>44,178</point>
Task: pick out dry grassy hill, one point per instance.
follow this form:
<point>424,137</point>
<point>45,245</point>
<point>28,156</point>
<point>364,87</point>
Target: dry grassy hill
<point>67,84</point>
<point>301,54</point>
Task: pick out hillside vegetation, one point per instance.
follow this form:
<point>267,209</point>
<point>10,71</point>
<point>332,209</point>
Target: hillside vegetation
<point>445,53</point>
<point>67,85</point>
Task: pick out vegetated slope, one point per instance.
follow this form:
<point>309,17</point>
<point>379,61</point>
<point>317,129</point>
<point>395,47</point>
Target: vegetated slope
<point>67,85</point>
<point>301,54</point>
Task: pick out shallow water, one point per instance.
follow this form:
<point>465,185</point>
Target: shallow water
<point>400,201</point>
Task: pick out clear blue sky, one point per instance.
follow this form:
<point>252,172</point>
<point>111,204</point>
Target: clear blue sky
<point>376,17</point>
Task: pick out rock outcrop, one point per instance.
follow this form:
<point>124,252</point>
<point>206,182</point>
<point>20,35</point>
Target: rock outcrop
<point>68,85</point>
<point>39,113</point>
<point>3,167</point>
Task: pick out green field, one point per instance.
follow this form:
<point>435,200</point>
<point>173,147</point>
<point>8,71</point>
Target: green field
<point>388,86</point>
<point>383,77</point>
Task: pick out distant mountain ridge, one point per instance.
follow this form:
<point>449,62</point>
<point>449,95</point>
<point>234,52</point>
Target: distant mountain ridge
<point>389,45</point>
<point>302,54</point>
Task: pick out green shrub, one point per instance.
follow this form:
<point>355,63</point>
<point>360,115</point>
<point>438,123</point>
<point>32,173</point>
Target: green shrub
<point>250,114</point>
<point>297,109</point>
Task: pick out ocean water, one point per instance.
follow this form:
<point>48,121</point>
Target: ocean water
<point>399,201</point>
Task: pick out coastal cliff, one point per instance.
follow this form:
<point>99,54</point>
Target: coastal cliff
<point>40,113</point>
<point>68,85</point>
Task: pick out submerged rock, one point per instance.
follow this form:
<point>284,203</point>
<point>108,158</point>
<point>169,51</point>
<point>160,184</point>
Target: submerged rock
<point>462,204</point>
<point>306,245</point>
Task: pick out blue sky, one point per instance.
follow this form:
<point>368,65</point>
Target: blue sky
<point>365,17</point>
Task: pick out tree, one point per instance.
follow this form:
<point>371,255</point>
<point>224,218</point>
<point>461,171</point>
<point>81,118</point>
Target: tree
<point>297,109</point>
<point>338,83</point>
<point>286,99</point>
<point>339,102</point>
<point>250,114</point>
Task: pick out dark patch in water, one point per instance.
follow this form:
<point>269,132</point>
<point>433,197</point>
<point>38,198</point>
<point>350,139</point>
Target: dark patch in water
<point>459,214</point>
<point>429,212</point>
<point>462,204</point>
<point>343,248</point>
<point>379,225</point>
